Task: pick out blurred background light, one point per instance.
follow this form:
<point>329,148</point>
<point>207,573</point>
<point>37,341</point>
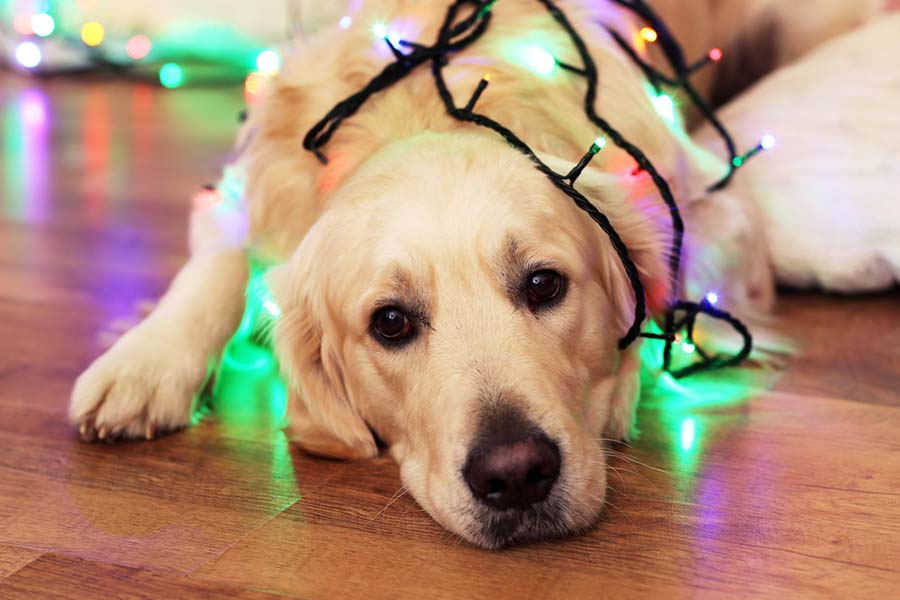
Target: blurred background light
<point>268,62</point>
<point>42,24</point>
<point>28,54</point>
<point>92,33</point>
<point>171,75</point>
<point>138,47</point>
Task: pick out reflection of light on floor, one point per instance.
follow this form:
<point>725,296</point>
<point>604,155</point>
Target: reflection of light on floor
<point>249,391</point>
<point>26,138</point>
<point>34,111</point>
<point>95,143</point>
<point>688,433</point>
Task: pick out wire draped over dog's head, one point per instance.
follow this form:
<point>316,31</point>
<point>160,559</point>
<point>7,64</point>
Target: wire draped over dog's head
<point>458,33</point>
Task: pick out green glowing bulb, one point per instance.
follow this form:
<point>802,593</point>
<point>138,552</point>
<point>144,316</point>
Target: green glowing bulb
<point>538,60</point>
<point>599,144</point>
<point>688,433</point>
<point>171,75</point>
<point>665,107</point>
<point>737,162</point>
<point>689,348</point>
<point>380,31</point>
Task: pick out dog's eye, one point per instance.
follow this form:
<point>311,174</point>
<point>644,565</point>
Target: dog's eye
<point>543,289</point>
<point>391,324</point>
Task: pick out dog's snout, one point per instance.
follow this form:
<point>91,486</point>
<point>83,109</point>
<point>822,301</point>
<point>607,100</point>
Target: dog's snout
<point>513,474</point>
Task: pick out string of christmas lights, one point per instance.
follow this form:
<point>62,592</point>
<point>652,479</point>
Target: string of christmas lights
<point>655,32</point>
<point>454,37</point>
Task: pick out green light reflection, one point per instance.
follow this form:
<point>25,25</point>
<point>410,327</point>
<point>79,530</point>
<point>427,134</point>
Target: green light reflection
<point>693,411</point>
<point>249,392</point>
<point>14,159</point>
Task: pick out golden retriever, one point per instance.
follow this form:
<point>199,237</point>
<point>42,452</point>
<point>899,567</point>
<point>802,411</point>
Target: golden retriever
<point>436,290</point>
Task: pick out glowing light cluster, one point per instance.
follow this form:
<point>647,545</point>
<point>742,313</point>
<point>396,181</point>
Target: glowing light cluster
<point>28,54</point>
<point>345,22</point>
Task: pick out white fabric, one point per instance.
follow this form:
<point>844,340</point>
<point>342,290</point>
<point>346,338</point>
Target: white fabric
<point>830,190</point>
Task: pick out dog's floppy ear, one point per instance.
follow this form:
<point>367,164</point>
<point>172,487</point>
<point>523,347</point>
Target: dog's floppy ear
<point>323,420</point>
<point>640,220</point>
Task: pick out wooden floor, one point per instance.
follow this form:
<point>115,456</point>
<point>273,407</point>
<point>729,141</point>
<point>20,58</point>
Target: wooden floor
<point>793,493</point>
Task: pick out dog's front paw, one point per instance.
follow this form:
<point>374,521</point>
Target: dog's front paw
<point>143,386</point>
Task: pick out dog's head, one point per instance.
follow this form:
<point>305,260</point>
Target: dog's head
<point>452,301</point>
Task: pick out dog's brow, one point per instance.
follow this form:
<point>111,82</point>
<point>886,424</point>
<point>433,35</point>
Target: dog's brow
<point>407,293</point>
<point>403,283</point>
<point>512,264</point>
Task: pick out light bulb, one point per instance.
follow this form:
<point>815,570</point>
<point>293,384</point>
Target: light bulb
<point>28,54</point>
<point>268,62</point>
<point>92,34</point>
<point>42,24</point>
<point>649,34</point>
<point>538,60</point>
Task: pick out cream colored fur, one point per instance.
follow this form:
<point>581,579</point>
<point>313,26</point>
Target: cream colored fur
<point>416,204</point>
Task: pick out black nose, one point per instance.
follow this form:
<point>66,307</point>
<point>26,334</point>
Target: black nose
<point>513,474</point>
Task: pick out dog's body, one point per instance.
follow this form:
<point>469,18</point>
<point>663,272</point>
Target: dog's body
<point>442,228</point>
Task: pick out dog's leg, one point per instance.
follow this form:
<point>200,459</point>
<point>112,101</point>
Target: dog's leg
<point>145,384</point>
<point>727,253</point>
